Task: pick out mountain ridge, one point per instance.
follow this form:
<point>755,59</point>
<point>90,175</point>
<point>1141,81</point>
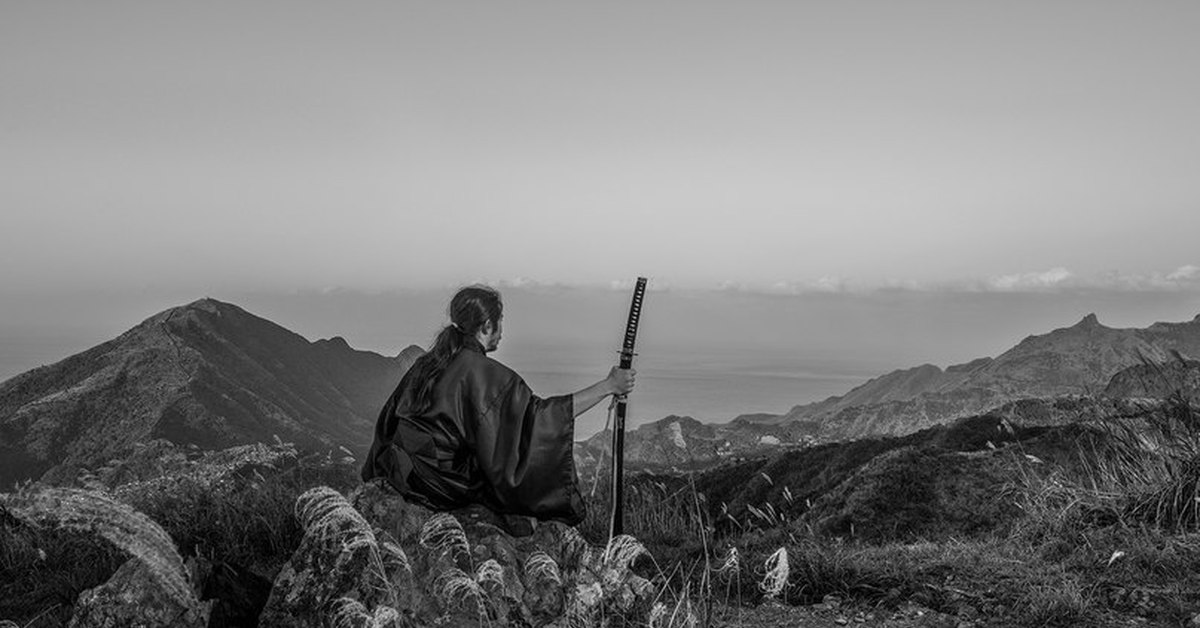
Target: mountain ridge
<point>208,374</point>
<point>1078,359</point>
<point>213,375</point>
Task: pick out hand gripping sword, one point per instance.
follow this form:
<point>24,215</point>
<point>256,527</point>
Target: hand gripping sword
<point>617,524</point>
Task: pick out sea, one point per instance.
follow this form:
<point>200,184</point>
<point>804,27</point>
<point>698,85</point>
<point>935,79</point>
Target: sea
<point>710,385</point>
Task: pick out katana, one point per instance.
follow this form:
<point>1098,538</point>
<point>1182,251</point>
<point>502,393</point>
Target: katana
<point>617,524</point>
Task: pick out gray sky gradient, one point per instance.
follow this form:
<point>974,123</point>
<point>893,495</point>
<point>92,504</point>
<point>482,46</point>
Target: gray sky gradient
<point>208,147</point>
<point>850,187</point>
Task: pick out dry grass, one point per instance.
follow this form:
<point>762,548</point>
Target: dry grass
<point>777,574</point>
<point>444,535</point>
<point>329,518</point>
<point>350,613</point>
<point>540,567</point>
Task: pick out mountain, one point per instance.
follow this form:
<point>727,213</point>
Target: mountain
<point>1040,381</point>
<point>207,374</point>
<point>682,442</point>
<point>1075,360</point>
<point>211,375</point>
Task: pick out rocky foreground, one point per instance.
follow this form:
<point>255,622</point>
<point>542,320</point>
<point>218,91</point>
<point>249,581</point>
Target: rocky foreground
<point>366,559</point>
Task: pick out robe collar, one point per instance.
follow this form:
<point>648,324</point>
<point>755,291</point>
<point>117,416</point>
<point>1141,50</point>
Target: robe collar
<point>472,344</point>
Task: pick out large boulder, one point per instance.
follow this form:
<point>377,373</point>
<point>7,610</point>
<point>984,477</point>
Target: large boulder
<point>373,558</point>
<point>135,598</point>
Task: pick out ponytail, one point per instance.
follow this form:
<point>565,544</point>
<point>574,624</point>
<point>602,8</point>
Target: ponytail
<point>470,310</point>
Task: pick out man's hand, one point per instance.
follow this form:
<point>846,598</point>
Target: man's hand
<point>620,381</point>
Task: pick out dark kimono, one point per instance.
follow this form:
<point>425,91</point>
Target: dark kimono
<point>486,439</point>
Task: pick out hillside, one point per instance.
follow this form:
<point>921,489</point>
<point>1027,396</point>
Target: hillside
<point>207,374</point>
<point>685,443</point>
<point>1039,373</point>
<point>1075,360</point>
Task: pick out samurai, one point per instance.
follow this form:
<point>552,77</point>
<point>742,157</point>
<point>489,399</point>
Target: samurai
<point>461,428</point>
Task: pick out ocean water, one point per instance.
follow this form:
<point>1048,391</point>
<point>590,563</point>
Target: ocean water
<point>707,384</point>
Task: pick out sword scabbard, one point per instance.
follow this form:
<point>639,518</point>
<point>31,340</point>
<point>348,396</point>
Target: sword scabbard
<point>617,522</point>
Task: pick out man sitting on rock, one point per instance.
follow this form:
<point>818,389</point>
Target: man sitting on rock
<point>462,428</point>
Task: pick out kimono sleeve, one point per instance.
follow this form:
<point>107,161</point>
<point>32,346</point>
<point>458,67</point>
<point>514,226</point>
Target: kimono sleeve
<point>524,446</point>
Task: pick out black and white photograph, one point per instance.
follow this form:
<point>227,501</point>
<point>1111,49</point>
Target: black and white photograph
<point>666,314</point>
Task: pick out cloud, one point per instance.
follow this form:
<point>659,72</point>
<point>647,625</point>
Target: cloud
<point>823,285</point>
<point>1052,280</point>
<point>653,284</point>
<point>1187,272</point>
<point>1036,281</point>
<point>1056,279</point>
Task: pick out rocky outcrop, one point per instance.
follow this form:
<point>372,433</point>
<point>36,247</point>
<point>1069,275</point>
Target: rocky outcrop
<point>134,596</point>
<point>373,557</point>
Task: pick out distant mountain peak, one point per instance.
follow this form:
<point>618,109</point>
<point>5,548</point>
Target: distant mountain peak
<point>208,304</point>
<point>1089,321</point>
<point>207,373</point>
<point>336,341</point>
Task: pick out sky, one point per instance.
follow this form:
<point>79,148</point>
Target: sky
<point>987,170</point>
<point>306,145</point>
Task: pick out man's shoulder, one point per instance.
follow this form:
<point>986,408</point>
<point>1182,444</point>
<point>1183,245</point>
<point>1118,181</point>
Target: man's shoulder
<point>489,370</point>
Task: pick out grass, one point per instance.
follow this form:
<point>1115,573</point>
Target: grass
<point>44,568</point>
<point>98,514</point>
<point>1090,524</point>
<point>243,515</point>
<point>1100,522</point>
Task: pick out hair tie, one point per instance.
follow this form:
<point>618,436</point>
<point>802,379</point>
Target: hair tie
<point>455,326</point>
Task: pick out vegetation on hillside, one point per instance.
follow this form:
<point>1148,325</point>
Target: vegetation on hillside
<point>1087,524</point>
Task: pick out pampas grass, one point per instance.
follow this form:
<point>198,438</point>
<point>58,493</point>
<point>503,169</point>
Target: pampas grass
<point>732,563</point>
<point>457,586</point>
<point>443,535</point>
<point>394,558</point>
<point>540,566</point>
<point>621,551</point>
<point>350,613</point>
<point>776,577</point>
<point>490,572</point>
<point>328,517</point>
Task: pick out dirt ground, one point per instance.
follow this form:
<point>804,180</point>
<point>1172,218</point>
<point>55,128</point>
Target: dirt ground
<point>775,615</point>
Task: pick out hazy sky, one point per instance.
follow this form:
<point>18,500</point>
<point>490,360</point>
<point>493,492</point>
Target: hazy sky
<point>836,187</point>
<point>777,146</point>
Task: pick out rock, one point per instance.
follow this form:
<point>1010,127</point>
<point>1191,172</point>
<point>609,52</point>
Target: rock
<point>340,557</point>
<point>134,597</point>
<point>238,594</point>
<point>461,568</point>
